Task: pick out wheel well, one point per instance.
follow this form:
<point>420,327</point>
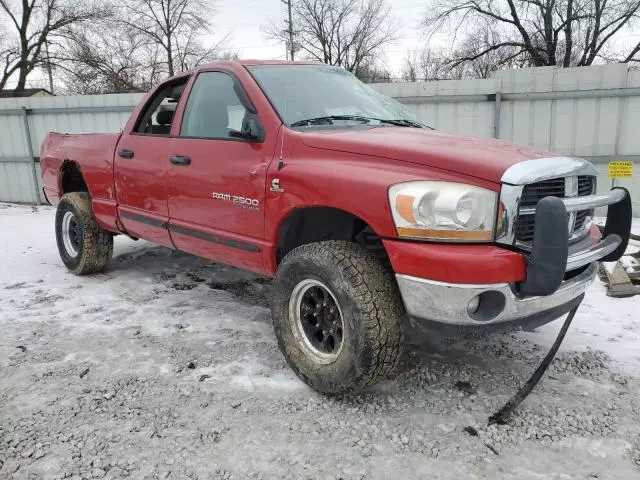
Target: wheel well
<point>71,179</point>
<point>317,224</point>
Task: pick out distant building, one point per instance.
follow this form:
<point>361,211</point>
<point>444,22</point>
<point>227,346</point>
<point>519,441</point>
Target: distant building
<point>27,92</point>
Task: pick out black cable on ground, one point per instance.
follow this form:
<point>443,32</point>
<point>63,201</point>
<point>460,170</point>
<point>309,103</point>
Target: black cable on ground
<point>505,412</point>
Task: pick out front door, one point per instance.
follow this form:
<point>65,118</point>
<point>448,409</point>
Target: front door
<point>140,171</point>
<point>216,180</point>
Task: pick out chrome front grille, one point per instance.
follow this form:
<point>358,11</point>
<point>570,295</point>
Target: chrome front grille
<point>564,187</point>
<point>586,185</point>
<point>525,183</point>
<point>534,192</point>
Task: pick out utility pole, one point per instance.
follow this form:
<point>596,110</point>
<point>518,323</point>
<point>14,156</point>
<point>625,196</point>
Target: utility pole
<point>46,47</point>
<point>290,30</point>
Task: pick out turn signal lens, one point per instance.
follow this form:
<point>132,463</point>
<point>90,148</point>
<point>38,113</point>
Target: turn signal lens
<point>404,205</point>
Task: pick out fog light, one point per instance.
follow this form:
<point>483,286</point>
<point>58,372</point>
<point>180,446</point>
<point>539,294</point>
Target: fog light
<point>486,306</point>
<point>473,305</point>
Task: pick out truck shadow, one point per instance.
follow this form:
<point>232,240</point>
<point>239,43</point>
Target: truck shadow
<point>488,350</point>
<point>181,271</point>
<point>506,357</point>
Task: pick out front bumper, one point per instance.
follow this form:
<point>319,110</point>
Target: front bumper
<point>556,274</point>
<point>447,303</point>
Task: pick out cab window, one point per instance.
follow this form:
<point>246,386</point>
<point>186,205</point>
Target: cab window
<point>158,115</point>
<point>214,108</point>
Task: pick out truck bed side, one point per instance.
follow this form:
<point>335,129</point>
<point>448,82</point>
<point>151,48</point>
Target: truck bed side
<point>63,155</point>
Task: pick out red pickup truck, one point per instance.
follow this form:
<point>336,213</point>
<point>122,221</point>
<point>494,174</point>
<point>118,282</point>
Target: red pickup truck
<point>363,215</point>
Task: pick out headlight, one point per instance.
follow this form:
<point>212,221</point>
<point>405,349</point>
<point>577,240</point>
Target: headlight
<point>443,211</point>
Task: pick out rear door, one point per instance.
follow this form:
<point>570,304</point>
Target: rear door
<point>141,166</point>
<point>216,180</point>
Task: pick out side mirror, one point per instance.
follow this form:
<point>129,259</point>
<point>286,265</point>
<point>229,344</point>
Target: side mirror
<point>252,130</point>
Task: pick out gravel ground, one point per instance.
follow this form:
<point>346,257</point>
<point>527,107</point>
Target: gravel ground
<point>165,367</point>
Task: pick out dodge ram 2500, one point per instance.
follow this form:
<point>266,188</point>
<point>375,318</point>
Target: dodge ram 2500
<point>363,215</point>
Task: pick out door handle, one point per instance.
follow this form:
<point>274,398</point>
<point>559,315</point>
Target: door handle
<point>180,160</point>
<point>125,153</point>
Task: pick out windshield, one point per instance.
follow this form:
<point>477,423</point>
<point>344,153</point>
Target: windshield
<point>301,93</point>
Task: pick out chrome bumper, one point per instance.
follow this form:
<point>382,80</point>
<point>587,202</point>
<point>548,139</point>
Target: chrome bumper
<point>448,303</point>
<point>574,204</point>
<point>608,244</point>
<point>594,252</point>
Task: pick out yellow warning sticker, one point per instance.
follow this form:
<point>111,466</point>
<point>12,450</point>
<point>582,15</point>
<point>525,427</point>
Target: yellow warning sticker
<point>621,169</point>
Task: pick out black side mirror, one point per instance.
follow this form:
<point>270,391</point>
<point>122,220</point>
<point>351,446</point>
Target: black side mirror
<point>252,130</point>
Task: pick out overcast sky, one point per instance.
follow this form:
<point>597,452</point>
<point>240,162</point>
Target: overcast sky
<point>244,19</point>
<point>244,22</point>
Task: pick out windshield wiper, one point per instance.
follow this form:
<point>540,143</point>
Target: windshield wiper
<point>401,122</point>
<point>328,120</point>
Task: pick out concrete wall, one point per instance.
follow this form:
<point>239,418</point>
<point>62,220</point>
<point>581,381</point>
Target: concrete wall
<point>589,112</point>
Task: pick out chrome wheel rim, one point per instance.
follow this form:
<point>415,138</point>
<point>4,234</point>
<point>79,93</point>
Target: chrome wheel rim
<point>71,234</point>
<point>316,321</point>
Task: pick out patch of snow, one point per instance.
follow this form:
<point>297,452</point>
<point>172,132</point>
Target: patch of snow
<point>166,366</point>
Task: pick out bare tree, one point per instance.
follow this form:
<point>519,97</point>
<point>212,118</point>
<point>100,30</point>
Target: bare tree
<point>348,33</point>
<point>176,27</point>
<point>428,65</point>
<point>536,32</point>
<point>8,55</point>
<point>373,73</point>
<point>472,60</point>
<point>138,47</point>
<point>411,67</point>
<point>109,59</point>
<point>31,24</point>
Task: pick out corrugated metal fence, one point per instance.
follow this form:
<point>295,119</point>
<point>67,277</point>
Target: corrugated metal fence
<point>589,112</point>
<point>24,122</point>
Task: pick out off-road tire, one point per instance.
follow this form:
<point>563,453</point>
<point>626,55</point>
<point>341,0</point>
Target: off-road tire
<point>372,314</point>
<point>95,244</point>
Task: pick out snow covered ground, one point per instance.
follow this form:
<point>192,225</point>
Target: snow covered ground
<point>165,366</point>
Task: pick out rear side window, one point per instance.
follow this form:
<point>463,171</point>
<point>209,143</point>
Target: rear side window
<point>214,108</point>
<point>157,116</point>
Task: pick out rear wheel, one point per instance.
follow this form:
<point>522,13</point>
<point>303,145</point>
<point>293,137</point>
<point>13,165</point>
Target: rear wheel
<point>338,316</point>
<point>84,246</point>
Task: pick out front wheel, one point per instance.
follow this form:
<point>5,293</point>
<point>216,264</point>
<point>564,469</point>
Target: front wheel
<point>84,246</point>
<point>337,316</point>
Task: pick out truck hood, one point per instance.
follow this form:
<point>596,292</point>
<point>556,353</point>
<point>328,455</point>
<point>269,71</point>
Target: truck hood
<point>483,158</point>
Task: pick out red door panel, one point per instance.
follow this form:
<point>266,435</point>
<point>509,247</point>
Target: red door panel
<point>141,164</point>
<point>140,183</point>
<point>216,180</point>
<point>220,193</point>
